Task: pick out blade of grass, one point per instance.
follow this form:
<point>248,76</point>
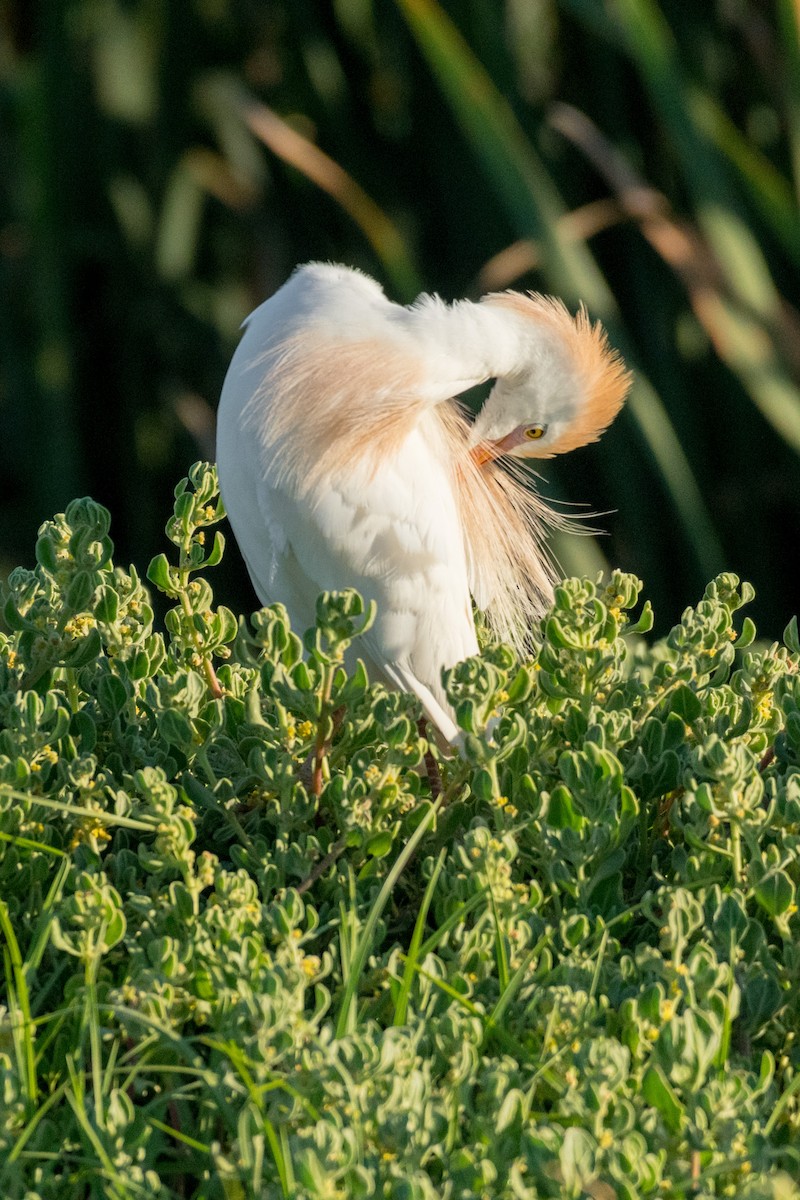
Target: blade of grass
<point>454,994</point>
<point>41,934</point>
<point>741,341</point>
<point>92,1023</point>
<point>512,165</point>
<point>98,814</point>
<point>20,1007</point>
<point>25,1134</point>
<point>238,1058</point>
<point>536,209</point>
<point>210,1078</point>
<point>118,1188</point>
<point>509,1043</point>
<point>450,922</point>
<point>601,953</point>
<point>761,312</point>
<point>293,148</point>
<point>179,1136</point>
<point>500,949</point>
<point>29,844</point>
<point>364,945</point>
<point>514,984</point>
<point>378,229</point>
<point>279,1146</point>
<point>653,49</point>
<point>789,25</point>
<point>580,224</point>
<point>48,109</point>
<point>401,1007</point>
<point>783,1102</point>
<point>278,1141</point>
<point>769,191</point>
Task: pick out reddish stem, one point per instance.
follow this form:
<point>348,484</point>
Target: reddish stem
<point>431,765</point>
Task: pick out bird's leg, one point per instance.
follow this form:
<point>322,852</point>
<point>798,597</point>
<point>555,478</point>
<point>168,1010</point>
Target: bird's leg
<point>431,765</point>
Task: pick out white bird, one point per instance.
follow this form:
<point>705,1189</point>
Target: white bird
<point>345,461</point>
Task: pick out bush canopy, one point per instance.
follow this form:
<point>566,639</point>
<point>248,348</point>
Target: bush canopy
<point>249,953</point>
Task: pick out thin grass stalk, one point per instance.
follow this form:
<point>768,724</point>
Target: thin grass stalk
<point>535,207</point>
<point>412,958</point>
<point>789,27</point>
<point>20,1008</point>
<point>362,948</point>
<point>740,339</point>
<point>380,231</point>
<point>652,47</point>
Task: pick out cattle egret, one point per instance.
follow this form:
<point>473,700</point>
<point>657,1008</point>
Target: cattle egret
<point>346,461</point>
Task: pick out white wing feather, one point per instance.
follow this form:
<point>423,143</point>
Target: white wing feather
<point>393,534</point>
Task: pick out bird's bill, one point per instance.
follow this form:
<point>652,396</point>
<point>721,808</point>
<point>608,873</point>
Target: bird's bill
<point>488,451</point>
<point>483,453</point>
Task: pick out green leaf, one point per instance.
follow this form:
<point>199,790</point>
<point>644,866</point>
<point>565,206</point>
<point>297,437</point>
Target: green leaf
<point>84,729</point>
<point>775,892</point>
<point>176,727</point>
<point>217,550</point>
<point>685,703</point>
<point>521,686</point>
<point>80,591</point>
<point>557,635</point>
<point>577,1158</point>
<point>748,634</point>
<point>160,573</point>
<point>112,694</point>
<point>46,553</point>
<point>561,812</point>
<point>378,845</point>
<point>107,605</point>
<point>483,784</point>
<point>659,1092</point>
<point>645,622</point>
<point>84,651</point>
<point>762,998</point>
<point>227,625</point>
<point>139,665</point>
<point>791,637</point>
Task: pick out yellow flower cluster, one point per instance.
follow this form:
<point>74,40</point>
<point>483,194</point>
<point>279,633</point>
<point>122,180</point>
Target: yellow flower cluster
<point>509,809</point>
<point>95,835</point>
<point>79,625</point>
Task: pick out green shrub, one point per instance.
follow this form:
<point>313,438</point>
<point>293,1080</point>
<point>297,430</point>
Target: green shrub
<point>248,954</point>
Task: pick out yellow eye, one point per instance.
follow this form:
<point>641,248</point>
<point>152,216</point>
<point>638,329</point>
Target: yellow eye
<point>534,432</point>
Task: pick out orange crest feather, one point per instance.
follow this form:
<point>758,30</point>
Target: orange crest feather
<point>599,367</point>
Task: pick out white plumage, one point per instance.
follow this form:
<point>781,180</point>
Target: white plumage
<point>344,462</point>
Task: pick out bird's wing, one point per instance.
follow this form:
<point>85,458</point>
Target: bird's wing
<point>395,536</point>
<point>291,582</point>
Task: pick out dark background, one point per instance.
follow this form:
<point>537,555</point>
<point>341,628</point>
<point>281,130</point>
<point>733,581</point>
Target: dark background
<point>141,219</point>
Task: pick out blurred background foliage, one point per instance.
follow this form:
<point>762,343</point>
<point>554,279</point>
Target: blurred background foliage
<point>165,163</point>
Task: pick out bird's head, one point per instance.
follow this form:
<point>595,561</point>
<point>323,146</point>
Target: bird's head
<point>564,389</point>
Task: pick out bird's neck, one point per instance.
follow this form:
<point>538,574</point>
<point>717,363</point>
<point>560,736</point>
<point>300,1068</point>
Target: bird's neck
<point>460,345</point>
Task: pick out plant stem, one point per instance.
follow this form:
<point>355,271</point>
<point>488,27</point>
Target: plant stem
<point>322,866</point>
<point>208,666</point>
<point>321,741</point>
<point>736,843</point>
